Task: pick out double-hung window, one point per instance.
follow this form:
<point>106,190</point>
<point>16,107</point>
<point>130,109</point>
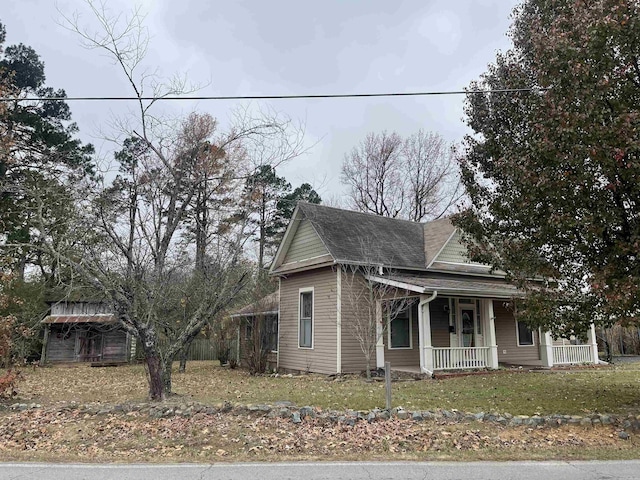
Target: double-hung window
<point>305,324</point>
<point>400,329</point>
<point>525,334</point>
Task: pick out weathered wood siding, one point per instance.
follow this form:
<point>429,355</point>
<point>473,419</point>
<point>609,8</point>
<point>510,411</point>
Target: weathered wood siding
<point>79,308</point>
<point>114,346</point>
<point>507,341</point>
<point>62,341</point>
<point>61,345</point>
<point>322,358</point>
<point>305,244</point>
<point>440,336</point>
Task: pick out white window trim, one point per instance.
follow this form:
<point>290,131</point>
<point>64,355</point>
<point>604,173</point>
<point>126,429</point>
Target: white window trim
<point>533,337</point>
<point>313,315</point>
<point>410,347</point>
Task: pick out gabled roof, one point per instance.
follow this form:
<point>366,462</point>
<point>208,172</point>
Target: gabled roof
<point>364,238</point>
<point>436,235</point>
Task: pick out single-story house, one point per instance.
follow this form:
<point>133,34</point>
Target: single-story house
<point>84,331</point>
<point>457,313</point>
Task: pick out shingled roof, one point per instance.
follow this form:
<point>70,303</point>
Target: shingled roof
<point>363,238</point>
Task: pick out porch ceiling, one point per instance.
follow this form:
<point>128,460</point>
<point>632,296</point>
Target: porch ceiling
<point>104,318</point>
<point>462,286</point>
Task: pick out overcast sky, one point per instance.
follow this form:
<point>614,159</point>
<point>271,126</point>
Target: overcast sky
<point>287,47</point>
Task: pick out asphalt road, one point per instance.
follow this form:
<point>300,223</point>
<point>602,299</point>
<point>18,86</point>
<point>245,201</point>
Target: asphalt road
<point>614,470</point>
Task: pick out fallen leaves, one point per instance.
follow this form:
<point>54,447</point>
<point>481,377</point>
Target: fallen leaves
<point>68,434</point>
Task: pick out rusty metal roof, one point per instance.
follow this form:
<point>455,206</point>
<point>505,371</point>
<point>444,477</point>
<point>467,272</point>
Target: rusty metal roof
<point>97,318</point>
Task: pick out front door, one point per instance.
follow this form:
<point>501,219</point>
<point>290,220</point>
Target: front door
<point>467,325</point>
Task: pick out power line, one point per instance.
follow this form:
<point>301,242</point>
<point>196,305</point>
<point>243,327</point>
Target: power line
<point>274,97</point>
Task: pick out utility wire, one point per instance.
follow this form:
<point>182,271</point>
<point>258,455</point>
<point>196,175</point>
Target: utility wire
<point>275,97</point>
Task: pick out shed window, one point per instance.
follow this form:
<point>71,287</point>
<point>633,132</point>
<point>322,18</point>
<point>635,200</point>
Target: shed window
<point>306,320</point>
<point>400,330</point>
<point>525,334</point>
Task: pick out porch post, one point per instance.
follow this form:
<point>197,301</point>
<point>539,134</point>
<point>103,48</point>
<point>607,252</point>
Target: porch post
<point>45,342</point>
<point>546,348</point>
<point>424,328</point>
<point>491,333</point>
<point>594,343</point>
<point>379,336</point>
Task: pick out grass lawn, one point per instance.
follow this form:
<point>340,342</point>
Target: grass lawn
<point>606,390</point>
<point>68,434</point>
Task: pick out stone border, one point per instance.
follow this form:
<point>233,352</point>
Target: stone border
<point>297,414</point>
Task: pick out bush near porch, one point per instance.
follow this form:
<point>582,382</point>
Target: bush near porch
<point>613,390</point>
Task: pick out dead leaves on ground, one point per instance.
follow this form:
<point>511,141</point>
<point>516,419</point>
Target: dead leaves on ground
<point>71,434</point>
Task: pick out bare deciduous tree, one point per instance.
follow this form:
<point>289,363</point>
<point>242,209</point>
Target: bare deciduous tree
<point>371,307</point>
<point>128,232</point>
<point>373,172</point>
<point>413,178</point>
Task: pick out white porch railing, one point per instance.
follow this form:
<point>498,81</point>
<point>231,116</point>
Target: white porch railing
<point>458,358</point>
<point>566,354</point>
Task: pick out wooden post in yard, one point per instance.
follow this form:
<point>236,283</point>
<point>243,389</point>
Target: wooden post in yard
<point>387,384</point>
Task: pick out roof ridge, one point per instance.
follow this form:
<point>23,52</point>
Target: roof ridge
<point>318,205</point>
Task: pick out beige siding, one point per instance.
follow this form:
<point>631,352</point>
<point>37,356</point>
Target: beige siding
<point>405,357</point>
<point>440,336</point>
<point>305,244</point>
<point>506,338</point>
<point>353,360</point>
<point>322,358</point>
<point>454,251</point>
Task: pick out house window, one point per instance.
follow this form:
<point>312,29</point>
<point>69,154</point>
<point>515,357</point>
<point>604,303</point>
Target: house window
<point>400,330</point>
<point>272,333</point>
<point>525,334</point>
<point>305,326</point>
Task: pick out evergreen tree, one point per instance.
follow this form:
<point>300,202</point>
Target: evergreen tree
<point>552,173</point>
<point>41,157</point>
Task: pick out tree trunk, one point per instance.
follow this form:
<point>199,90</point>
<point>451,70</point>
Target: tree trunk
<point>166,377</point>
<point>156,383</point>
<point>367,359</point>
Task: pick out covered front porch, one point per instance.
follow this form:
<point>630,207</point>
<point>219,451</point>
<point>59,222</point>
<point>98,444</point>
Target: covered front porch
<point>469,327</point>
